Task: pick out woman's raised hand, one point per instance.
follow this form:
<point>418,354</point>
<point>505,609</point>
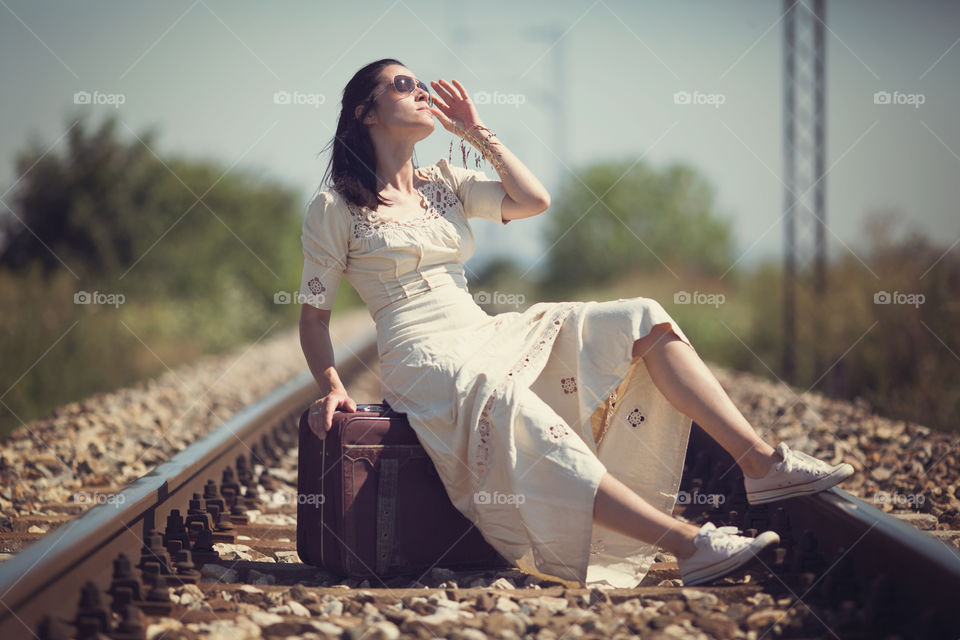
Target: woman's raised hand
<point>321,413</point>
<point>453,107</point>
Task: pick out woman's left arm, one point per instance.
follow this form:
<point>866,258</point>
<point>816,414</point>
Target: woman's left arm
<point>526,196</point>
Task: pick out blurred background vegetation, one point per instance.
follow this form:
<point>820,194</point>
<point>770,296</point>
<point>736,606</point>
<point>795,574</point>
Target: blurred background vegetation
<point>109,216</point>
<point>657,234</point>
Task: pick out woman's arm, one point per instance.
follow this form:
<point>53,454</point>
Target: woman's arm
<point>318,350</point>
<point>526,196</point>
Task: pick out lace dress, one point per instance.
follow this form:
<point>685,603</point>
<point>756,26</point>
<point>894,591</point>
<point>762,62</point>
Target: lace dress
<point>521,412</point>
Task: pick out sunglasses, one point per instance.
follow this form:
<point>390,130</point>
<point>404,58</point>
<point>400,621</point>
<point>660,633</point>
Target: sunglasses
<point>409,84</point>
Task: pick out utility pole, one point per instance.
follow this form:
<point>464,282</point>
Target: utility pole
<point>804,145</point>
<point>552,96</point>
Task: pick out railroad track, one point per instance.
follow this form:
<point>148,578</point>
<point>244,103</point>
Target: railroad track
<point>844,568</point>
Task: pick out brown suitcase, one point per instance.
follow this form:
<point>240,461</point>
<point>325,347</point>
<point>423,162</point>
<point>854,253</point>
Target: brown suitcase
<point>370,502</point>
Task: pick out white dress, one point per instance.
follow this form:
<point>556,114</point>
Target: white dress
<point>521,412</point>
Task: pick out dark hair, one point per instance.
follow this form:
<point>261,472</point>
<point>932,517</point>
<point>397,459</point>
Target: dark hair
<point>351,170</point>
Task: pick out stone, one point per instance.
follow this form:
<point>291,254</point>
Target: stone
<point>760,599</point>
<point>764,618</point>
<point>256,577</point>
<point>383,630</point>
<point>676,631</point>
<point>162,626</point>
<point>506,605</point>
<point>219,604</point>
<point>220,573</point>
<point>497,623</point>
<point>229,551</point>
<point>670,582</point>
<point>736,612</point>
<point>333,608</point>
<point>264,618</point>
<point>249,594</point>
<point>881,473</point>
<point>674,607</point>
<point>717,625</point>
<point>420,605</point>
<point>281,609</point>
<point>287,557</point>
<point>327,628</point>
<point>437,624</point>
<point>578,614</point>
<point>502,583</point>
<point>485,602</point>
<point>551,604</point>
<point>663,621</point>
<point>438,575</point>
<point>301,594</point>
<point>628,607</point>
<point>700,596</point>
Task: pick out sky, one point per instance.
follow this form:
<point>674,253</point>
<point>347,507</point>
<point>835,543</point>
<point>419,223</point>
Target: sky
<point>563,84</point>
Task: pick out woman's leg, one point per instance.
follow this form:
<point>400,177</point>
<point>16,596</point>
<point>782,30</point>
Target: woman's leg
<point>689,385</point>
<point>618,508</point>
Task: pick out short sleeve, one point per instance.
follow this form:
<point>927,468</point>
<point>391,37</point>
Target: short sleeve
<point>325,240</point>
<point>481,197</point>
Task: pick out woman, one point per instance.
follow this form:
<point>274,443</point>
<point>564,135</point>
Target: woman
<point>543,426</point>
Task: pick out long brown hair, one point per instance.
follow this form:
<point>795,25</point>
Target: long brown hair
<point>352,168</point>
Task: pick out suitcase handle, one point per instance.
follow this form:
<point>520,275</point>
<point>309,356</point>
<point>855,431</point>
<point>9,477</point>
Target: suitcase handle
<point>372,408</point>
<point>378,407</point>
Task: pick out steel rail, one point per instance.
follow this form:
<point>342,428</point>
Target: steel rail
<point>923,573</point>
<point>920,572</point>
<point>47,576</point>
<point>903,574</point>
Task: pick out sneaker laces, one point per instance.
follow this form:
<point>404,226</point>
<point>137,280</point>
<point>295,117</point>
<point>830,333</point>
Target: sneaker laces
<point>798,461</point>
<point>722,539</point>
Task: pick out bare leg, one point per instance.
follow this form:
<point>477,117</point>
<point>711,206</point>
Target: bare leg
<point>691,387</point>
<point>618,508</point>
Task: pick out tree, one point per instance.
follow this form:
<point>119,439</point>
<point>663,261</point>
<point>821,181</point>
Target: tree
<point>111,211</point>
<point>643,220</point>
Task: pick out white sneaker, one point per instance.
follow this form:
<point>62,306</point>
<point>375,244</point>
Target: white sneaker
<point>720,551</point>
<point>794,475</point>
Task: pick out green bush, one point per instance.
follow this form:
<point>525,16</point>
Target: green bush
<point>107,215</point>
<point>622,217</point>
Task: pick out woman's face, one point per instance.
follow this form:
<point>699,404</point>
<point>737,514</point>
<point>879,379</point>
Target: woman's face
<point>395,110</point>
